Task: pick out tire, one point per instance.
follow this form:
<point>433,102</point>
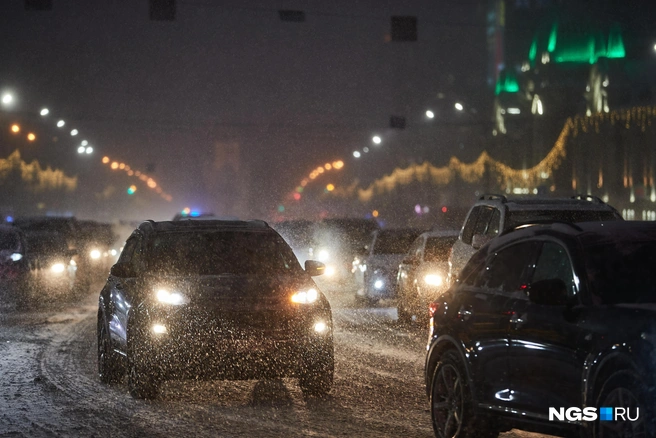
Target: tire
<point>110,369</point>
<point>316,377</point>
<point>452,410</point>
<point>625,389</point>
<point>143,381</point>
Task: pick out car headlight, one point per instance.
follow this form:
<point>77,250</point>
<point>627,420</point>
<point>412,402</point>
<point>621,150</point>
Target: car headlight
<point>165,296</point>
<point>16,257</point>
<point>323,255</point>
<point>378,284</point>
<point>433,280</point>
<point>329,271</point>
<point>58,268</point>
<point>305,297</point>
<point>95,254</point>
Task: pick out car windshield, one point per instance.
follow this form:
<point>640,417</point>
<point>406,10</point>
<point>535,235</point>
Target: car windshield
<point>438,248</point>
<point>516,218</point>
<point>622,271</point>
<point>221,253</point>
<point>394,241</point>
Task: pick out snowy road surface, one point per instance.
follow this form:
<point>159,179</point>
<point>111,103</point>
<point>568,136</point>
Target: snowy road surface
<point>49,387</point>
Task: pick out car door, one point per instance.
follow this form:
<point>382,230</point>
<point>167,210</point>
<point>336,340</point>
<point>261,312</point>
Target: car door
<point>483,305</point>
<point>546,348</point>
<point>462,250</point>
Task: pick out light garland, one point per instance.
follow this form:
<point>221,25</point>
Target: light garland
<point>39,179</point>
<point>505,175</point>
<point>149,181</point>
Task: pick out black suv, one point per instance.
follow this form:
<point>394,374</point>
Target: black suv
<point>549,316</point>
<point>213,299</point>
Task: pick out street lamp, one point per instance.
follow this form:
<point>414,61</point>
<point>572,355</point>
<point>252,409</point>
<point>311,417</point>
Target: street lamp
<point>376,139</point>
<point>80,150</point>
<point>88,150</point>
<point>84,143</point>
<point>15,128</point>
<point>7,99</point>
<point>430,114</point>
<point>74,132</point>
<point>459,106</point>
<point>44,111</point>
<point>60,123</point>
<point>31,137</point>
<point>356,154</point>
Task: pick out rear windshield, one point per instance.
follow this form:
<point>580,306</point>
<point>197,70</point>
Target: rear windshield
<point>622,272</point>
<point>218,253</point>
<point>394,242</point>
<point>437,248</point>
<point>516,218</point>
<point>46,243</point>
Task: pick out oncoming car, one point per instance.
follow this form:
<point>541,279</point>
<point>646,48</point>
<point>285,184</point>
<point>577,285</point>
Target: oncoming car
<point>213,300</point>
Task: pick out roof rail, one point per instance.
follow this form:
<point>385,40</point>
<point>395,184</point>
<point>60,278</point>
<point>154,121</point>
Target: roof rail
<point>493,196</point>
<point>147,223</point>
<point>584,197</point>
<point>543,222</point>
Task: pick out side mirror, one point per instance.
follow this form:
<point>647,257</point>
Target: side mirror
<point>551,292</point>
<point>314,268</point>
<point>122,270</point>
<point>479,240</point>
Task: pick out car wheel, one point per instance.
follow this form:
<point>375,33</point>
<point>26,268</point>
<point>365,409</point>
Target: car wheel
<point>143,382</point>
<point>624,389</point>
<point>110,370</point>
<point>316,377</point>
<point>452,411</point>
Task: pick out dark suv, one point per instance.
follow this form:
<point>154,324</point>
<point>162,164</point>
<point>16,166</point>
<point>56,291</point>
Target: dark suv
<point>213,299</point>
<point>492,215</point>
<point>554,316</point>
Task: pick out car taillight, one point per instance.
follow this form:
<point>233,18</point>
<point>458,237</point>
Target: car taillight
<point>433,308</point>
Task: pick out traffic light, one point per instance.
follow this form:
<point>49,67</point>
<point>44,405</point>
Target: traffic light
<point>132,190</point>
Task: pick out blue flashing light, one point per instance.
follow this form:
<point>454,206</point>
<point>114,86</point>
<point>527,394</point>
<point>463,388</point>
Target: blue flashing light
<point>194,213</point>
<point>10,219</point>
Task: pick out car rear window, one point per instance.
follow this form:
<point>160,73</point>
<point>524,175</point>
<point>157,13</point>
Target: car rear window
<point>394,242</point>
<point>437,248</point>
<point>221,252</point>
<point>622,272</point>
<point>516,218</point>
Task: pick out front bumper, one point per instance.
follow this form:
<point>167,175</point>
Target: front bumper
<point>180,348</point>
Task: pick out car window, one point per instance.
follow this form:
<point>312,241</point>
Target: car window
<point>494,225</point>
<point>516,218</point>
<point>393,241</point>
<point>622,271</point>
<point>507,270</point>
<point>437,248</point>
<point>483,220</point>
<point>554,263</point>
<point>468,230</point>
<point>128,250</point>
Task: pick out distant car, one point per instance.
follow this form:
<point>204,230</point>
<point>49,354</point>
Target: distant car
<point>213,300</point>
<point>492,215</point>
<point>422,274</point>
<point>202,216</point>
<point>378,268</point>
<point>338,242</point>
<point>52,266</point>
<point>549,317</point>
<point>14,267</point>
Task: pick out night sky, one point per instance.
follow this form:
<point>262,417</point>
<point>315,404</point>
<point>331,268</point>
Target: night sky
<point>291,95</point>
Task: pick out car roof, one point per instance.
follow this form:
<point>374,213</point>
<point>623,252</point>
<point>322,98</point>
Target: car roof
<point>578,202</point>
<point>587,233</point>
<point>204,225</point>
